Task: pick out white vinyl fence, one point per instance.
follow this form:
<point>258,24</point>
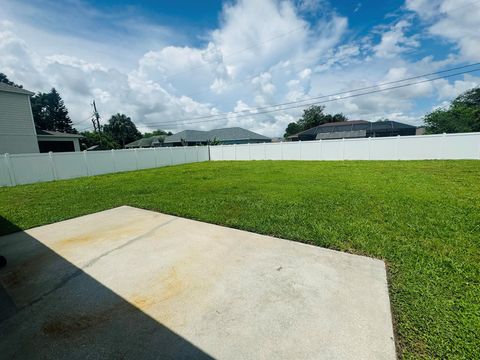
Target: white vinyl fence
<point>419,147</point>
<point>33,168</point>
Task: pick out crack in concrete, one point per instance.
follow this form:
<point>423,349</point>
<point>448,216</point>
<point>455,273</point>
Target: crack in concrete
<point>80,271</point>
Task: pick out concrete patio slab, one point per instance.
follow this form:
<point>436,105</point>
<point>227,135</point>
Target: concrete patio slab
<point>131,283</point>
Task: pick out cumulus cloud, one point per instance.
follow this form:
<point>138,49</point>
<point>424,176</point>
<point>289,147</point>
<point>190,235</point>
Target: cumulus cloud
<point>262,53</point>
<point>456,21</point>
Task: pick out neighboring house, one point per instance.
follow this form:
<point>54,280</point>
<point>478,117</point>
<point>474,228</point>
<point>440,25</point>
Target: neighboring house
<point>421,130</point>
<point>57,141</point>
<point>234,135</point>
<point>152,141</point>
<point>18,134</point>
<point>17,130</point>
<point>354,129</point>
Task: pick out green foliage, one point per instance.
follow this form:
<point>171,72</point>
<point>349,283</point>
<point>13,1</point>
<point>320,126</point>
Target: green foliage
<point>50,112</point>
<point>312,116</point>
<point>157,133</point>
<point>214,141</point>
<point>4,79</point>
<point>292,128</point>
<point>463,115</point>
<point>105,141</point>
<point>421,217</point>
<point>122,129</point>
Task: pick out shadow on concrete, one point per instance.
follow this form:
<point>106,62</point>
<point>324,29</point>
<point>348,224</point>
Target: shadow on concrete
<point>49,308</point>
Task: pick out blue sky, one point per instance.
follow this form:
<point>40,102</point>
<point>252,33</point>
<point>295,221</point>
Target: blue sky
<point>167,63</point>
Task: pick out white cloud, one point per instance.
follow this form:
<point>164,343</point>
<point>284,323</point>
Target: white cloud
<point>394,41</point>
<point>454,20</point>
<point>262,53</point>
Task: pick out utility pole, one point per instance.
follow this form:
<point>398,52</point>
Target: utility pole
<point>96,119</point>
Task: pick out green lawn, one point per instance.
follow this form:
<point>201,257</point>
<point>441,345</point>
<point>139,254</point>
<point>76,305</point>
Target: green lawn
<point>422,218</point>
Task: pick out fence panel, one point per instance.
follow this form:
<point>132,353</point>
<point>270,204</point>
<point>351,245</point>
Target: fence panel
<point>146,158</point>
<point>100,162</point>
<point>257,152</point>
<point>357,149</point>
<point>191,154</point>
<point>332,149</point>
<point>69,165</point>
<point>273,151</point>
<point>203,153</point>
<point>5,179</point>
<point>228,152</point>
<point>469,149</point>
<point>383,148</point>
<point>421,147</point>
<point>291,151</point>
<point>31,168</point>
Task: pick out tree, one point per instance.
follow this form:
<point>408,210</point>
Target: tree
<point>463,115</point>
<point>156,133</point>
<point>103,140</point>
<point>122,129</point>
<point>4,79</point>
<point>312,116</point>
<point>50,112</point>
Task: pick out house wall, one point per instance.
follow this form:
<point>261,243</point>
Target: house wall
<point>17,130</point>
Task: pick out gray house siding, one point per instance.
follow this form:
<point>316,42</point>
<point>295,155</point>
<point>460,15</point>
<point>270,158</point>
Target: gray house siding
<point>17,130</point>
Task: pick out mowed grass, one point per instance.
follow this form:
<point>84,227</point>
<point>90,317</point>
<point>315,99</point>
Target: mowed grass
<point>422,218</point>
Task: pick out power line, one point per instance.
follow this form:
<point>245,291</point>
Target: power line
<point>216,117</point>
<point>207,89</point>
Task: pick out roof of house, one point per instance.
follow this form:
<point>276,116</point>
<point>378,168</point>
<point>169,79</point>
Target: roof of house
<point>14,89</point>
<point>47,133</point>
<point>146,142</point>
<point>225,134</point>
<point>354,125</point>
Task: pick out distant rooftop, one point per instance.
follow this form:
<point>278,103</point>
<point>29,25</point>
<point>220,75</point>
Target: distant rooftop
<point>56,133</point>
<point>224,134</point>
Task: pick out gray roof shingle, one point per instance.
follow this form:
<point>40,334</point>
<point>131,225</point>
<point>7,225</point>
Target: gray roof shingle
<point>14,89</point>
<point>225,134</point>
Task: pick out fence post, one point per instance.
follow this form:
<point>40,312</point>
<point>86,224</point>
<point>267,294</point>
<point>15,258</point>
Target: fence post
<point>235,151</point>
<point>300,148</point>
<point>113,160</point>
<point>264,151</point>
<point>185,153</point>
<point>196,151</point>
<point>320,153</point>
<point>397,150</point>
<point>11,171</point>
<point>86,162</point>
<point>369,148</point>
<point>136,158</point>
<point>281,150</point>
<point>343,148</point>
<point>249,153</point>
<point>155,154</point>
<point>442,147</point>
<point>171,155</point>
<point>52,164</point>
